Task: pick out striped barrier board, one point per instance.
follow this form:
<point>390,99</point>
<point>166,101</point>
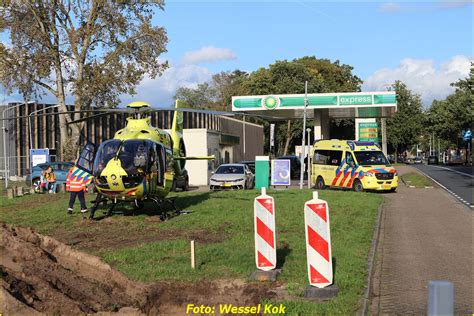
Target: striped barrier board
<point>318,242</point>
<point>265,239</point>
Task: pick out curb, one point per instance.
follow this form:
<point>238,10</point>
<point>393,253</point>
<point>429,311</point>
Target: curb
<point>370,263</point>
<point>412,186</point>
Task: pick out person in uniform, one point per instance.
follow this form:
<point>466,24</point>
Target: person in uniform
<point>77,189</point>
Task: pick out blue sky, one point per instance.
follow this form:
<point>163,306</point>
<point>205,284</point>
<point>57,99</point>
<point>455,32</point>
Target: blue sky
<point>426,44</point>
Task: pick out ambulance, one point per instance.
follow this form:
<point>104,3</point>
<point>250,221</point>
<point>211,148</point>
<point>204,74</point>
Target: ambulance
<point>357,165</point>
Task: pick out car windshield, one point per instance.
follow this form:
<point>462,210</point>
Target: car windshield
<point>230,170</point>
<point>368,158</point>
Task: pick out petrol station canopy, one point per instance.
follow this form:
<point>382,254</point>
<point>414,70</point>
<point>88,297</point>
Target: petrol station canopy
<point>338,105</point>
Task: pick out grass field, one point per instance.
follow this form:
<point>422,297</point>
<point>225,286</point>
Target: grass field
<point>146,249</point>
<point>417,180</point>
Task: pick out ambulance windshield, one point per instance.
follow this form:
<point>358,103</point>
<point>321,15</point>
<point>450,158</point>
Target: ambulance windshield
<point>369,158</point>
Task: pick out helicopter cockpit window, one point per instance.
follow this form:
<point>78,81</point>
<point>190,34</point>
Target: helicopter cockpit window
<point>134,155</point>
<point>107,151</point>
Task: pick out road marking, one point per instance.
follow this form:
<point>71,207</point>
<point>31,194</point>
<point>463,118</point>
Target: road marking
<point>459,172</point>
<point>471,206</point>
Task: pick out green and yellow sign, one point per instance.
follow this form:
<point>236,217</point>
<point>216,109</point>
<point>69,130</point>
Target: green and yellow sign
<point>369,132</point>
<point>270,102</point>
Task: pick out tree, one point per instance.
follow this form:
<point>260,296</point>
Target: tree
<point>404,128</point>
<point>204,96</point>
<point>216,94</point>
<point>92,50</point>
<point>447,118</point>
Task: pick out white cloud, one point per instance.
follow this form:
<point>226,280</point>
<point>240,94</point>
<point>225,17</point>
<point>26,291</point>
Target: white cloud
<point>423,6</point>
<point>208,54</point>
<point>422,77</point>
<point>160,91</point>
<point>390,7</point>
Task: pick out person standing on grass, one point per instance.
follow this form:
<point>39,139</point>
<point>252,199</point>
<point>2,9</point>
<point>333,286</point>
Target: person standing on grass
<point>77,189</point>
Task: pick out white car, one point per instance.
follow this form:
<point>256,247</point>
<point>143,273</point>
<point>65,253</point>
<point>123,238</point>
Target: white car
<point>232,177</point>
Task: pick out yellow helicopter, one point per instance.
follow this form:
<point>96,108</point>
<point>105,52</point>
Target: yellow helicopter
<point>139,163</point>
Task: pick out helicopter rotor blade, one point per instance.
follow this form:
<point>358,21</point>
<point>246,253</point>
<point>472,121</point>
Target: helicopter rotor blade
<point>60,113</point>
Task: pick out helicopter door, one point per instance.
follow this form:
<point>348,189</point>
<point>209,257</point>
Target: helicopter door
<point>161,164</point>
<point>86,158</point>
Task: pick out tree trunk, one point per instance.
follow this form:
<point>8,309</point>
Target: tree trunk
<point>288,138</point>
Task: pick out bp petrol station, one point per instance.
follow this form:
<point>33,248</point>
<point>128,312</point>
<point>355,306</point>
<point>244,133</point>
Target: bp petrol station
<point>364,107</point>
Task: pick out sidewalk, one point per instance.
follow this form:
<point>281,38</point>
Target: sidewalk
<point>425,235</point>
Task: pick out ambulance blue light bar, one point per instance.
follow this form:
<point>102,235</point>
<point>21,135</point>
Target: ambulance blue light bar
<point>352,144</point>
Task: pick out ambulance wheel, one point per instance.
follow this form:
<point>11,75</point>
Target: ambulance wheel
<point>393,190</point>
<point>357,186</point>
<point>320,185</point>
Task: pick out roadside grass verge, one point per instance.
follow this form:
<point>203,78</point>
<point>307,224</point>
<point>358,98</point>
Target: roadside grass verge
<point>222,225</point>
<point>417,180</point>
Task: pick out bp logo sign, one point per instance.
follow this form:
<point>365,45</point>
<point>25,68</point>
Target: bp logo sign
<point>270,102</point>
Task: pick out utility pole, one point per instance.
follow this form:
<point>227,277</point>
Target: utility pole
<point>303,143</point>
<point>309,157</point>
<point>384,135</point>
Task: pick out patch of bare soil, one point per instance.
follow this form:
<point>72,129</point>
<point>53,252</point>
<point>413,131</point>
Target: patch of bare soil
<point>40,274</point>
<point>106,236</point>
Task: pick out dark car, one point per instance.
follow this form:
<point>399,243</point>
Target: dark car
<point>61,170</point>
<point>432,160</point>
<point>295,165</point>
<point>250,164</point>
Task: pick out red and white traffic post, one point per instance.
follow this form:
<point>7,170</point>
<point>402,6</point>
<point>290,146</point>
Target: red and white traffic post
<point>265,239</point>
<point>318,242</point>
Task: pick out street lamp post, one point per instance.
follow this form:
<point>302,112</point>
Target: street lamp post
<point>303,143</point>
<point>309,158</point>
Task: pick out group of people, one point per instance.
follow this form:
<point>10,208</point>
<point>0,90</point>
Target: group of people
<point>74,185</point>
<point>48,180</point>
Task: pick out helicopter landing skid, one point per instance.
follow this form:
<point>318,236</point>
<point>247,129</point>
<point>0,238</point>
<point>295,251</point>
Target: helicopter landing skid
<point>98,200</point>
<point>161,203</point>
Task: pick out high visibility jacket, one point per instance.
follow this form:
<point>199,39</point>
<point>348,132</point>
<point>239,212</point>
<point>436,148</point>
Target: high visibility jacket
<point>73,184</point>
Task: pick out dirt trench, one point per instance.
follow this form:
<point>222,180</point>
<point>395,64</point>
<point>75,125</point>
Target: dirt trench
<point>42,275</point>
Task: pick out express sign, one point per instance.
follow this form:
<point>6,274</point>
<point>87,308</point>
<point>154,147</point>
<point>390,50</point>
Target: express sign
<point>355,100</point>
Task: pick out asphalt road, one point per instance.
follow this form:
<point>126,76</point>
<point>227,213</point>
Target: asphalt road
<point>424,236</point>
<point>457,180</point>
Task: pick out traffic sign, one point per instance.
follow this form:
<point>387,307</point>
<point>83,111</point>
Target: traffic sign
<point>318,242</point>
<point>265,239</point>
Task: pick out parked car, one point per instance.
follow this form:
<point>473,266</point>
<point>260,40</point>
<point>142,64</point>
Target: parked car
<point>391,158</point>
<point>432,160</point>
<point>417,160</point>
<point>181,182</point>
<point>295,166</point>
<point>250,164</point>
<point>232,177</point>
<point>61,170</point>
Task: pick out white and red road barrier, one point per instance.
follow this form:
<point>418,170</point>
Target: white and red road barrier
<point>318,242</point>
<point>265,238</point>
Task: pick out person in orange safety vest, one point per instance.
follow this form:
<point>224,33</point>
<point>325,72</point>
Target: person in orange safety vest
<point>77,189</point>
